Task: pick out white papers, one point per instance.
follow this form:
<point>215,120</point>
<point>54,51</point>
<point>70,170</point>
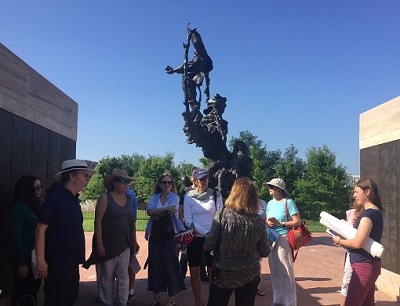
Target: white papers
<point>342,228</point>
<point>33,263</point>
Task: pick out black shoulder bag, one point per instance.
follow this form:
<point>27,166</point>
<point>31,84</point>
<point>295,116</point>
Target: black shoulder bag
<point>162,227</point>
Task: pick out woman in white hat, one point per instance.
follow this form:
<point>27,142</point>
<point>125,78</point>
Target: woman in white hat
<point>282,214</point>
<point>114,239</point>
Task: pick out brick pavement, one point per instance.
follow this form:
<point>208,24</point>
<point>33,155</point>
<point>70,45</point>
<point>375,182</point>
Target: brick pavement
<point>318,271</point>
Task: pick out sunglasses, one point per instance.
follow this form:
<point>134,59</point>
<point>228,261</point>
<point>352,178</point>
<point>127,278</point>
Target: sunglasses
<point>38,187</point>
<point>122,181</point>
<point>166,182</point>
<point>204,178</point>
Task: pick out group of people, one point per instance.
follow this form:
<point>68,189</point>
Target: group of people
<point>230,235</point>
<point>47,239</point>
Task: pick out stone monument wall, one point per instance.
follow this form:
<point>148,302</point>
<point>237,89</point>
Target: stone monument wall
<point>380,161</point>
<point>38,129</point>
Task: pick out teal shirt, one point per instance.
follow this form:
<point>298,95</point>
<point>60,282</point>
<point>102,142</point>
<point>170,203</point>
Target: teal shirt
<point>277,209</point>
<point>24,222</point>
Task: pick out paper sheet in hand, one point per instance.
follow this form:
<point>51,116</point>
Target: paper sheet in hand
<point>342,228</point>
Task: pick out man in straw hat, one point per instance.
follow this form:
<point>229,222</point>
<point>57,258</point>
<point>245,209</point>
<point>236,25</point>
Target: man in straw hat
<point>60,240</point>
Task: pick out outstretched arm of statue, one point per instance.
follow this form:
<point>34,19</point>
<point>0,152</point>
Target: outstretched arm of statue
<point>171,70</point>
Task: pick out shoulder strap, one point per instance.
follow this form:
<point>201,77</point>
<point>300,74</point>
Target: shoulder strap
<point>287,211</point>
<point>220,234</point>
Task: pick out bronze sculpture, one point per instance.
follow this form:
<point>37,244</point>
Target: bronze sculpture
<point>209,131</point>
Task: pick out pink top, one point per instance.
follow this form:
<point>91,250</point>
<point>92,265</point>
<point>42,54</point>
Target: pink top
<point>350,216</point>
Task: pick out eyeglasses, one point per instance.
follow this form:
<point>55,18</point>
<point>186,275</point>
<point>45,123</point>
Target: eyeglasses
<point>122,181</point>
<point>204,178</point>
<point>166,182</point>
<point>38,187</point>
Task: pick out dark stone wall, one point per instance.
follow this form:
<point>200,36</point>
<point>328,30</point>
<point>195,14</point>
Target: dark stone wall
<point>382,164</point>
<point>27,148</point>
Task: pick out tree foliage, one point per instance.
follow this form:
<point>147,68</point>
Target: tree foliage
<point>263,160</point>
<point>290,168</point>
<point>145,170</point>
<point>316,184</point>
<point>324,186</point>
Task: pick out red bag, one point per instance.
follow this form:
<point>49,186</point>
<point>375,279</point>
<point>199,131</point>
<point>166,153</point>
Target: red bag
<point>298,236</point>
<point>185,237</point>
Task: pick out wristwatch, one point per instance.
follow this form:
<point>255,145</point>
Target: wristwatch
<point>283,224</point>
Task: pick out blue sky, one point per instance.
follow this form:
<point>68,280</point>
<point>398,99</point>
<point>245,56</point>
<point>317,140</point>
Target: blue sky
<point>294,72</point>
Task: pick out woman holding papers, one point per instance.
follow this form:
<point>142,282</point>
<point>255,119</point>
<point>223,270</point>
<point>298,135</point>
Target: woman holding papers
<point>280,259</point>
<point>366,267</point>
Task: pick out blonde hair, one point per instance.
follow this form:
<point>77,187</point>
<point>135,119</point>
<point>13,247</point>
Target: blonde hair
<point>243,197</point>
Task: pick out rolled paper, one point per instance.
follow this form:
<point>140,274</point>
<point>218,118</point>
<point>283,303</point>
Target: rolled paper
<point>345,230</point>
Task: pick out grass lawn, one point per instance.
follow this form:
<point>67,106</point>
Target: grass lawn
<point>88,223</point>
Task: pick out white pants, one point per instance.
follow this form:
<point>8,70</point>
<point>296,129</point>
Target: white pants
<point>346,275</point>
<point>282,273</point>
<point>113,277</point>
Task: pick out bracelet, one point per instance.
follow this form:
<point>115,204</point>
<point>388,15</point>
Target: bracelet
<point>338,242</point>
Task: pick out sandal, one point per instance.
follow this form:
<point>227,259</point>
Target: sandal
<point>156,301</point>
<point>260,293</point>
<point>170,302</point>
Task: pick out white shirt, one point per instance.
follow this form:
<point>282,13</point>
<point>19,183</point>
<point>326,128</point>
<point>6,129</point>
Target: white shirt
<point>200,213</point>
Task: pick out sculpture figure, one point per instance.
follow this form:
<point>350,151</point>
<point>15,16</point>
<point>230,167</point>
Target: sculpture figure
<point>209,131</point>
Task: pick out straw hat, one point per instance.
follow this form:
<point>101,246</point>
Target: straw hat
<point>73,164</point>
<point>117,173</point>
<point>277,182</point>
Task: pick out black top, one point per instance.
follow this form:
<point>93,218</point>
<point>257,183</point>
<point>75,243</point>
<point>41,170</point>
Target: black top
<point>116,230</point>
<point>361,255</point>
<point>65,239</point>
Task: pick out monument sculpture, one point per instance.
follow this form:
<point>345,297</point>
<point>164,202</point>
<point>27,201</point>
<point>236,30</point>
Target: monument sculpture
<point>209,130</point>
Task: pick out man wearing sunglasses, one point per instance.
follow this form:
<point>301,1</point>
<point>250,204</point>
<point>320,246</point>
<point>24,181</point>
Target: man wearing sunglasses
<point>60,240</point>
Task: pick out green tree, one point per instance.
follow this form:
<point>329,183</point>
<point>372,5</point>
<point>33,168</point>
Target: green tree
<point>264,161</point>
<point>146,171</point>
<point>105,166</point>
<point>324,185</point>
<point>150,170</point>
<point>204,162</point>
<point>290,168</point>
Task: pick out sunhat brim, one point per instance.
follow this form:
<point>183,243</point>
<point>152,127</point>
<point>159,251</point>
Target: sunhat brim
<point>109,178</point>
<point>267,184</point>
<point>58,174</point>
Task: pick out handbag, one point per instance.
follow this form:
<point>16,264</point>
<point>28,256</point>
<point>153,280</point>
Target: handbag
<point>182,234</point>
<point>184,237</point>
<point>162,227</point>
<point>297,236</point>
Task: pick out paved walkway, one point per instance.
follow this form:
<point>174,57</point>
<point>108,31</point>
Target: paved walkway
<point>318,270</point>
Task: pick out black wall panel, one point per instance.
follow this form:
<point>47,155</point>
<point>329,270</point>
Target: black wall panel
<point>387,187</point>
<point>39,152</point>
<point>381,163</point>
<point>26,148</point>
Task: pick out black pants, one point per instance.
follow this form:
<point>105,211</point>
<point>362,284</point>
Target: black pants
<point>61,286</point>
<point>25,289</point>
<point>244,296</point>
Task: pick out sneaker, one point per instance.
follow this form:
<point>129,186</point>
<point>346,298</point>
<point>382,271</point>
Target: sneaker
<point>131,297</point>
